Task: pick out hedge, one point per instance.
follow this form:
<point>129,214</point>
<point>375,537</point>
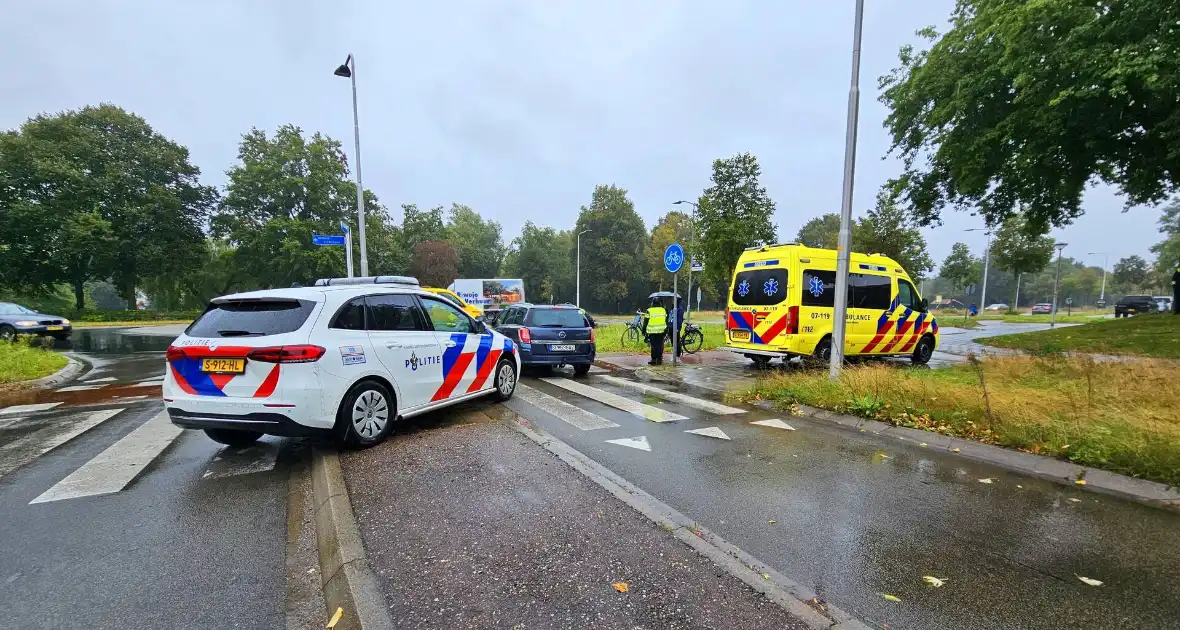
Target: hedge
<point>128,316</point>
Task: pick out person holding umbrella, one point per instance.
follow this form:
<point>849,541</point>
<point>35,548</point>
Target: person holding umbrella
<point>654,325</point>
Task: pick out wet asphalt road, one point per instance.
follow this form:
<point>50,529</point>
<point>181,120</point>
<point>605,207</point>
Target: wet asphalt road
<point>856,517</point>
<point>197,540</point>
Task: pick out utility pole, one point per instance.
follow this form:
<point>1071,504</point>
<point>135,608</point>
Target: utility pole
<point>987,255</point>
<point>1056,280</point>
<point>348,70</point>
<point>1105,260</point>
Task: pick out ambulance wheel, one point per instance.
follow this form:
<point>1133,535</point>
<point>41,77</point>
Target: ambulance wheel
<point>923,351</point>
<point>823,352</point>
<point>760,361</point>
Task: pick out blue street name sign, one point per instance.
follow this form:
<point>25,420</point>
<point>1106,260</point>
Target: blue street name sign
<point>327,239</point>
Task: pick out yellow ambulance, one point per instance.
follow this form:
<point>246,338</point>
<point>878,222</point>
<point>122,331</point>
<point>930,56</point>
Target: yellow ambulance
<point>781,305</point>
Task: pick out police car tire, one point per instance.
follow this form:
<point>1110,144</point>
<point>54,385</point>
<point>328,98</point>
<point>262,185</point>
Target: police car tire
<point>348,431</point>
<point>923,351</point>
<point>501,375</point>
<point>231,437</point>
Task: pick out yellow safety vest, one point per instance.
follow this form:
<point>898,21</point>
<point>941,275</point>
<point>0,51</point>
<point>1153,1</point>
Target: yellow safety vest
<point>657,320</point>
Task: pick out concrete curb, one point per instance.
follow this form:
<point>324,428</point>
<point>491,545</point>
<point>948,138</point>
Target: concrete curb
<point>795,598</point>
<point>345,576</point>
<point>71,371</point>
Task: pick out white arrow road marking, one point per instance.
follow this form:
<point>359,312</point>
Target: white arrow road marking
<point>15,409</point>
<point>99,380</point>
<point>633,407</point>
<point>636,442</point>
<point>78,388</point>
<point>698,403</point>
<point>232,461</point>
<point>24,450</point>
<point>713,432</point>
<point>576,416</point>
<point>111,470</point>
<point>776,423</point>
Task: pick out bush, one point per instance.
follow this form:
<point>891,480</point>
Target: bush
<point>129,316</point>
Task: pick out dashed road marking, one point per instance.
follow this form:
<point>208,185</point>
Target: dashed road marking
<point>78,388</point>
<point>776,423</point>
<point>684,399</point>
<point>576,416</point>
<point>107,379</point>
<point>633,407</point>
<point>231,461</point>
<point>635,442</point>
<point>15,409</point>
<point>24,450</point>
<point>111,470</point>
<point>713,432</point>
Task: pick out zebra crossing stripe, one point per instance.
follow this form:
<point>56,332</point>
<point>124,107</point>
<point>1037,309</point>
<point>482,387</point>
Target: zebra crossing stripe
<point>558,408</point>
<point>633,407</point>
<point>111,470</point>
<point>16,409</point>
<point>78,388</point>
<point>691,401</point>
<point>24,450</point>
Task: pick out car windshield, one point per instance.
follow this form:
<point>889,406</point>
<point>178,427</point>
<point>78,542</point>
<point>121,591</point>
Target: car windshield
<point>8,308</point>
<point>555,318</point>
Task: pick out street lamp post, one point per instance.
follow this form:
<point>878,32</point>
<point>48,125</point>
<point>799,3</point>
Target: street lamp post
<point>578,298</point>
<point>692,251</point>
<point>844,248</point>
<point>1056,280</point>
<point>987,255</point>
<point>348,70</point>
<point>1105,260</point>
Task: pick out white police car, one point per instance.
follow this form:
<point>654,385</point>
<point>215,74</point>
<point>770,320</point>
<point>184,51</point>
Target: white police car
<point>345,358</point>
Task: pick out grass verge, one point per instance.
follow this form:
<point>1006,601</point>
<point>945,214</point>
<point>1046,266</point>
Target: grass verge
<point>609,338</point>
<point>1155,336</point>
<point>1115,416</point>
<point>144,323</point>
<point>23,362</point>
<point>1043,319</point>
<point>959,321</point>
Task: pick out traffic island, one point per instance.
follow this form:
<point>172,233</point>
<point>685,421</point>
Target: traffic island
<point>474,526</point>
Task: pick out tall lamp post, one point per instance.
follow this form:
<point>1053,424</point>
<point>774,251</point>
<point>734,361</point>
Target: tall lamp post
<point>987,255</point>
<point>692,251</point>
<point>348,71</point>
<point>1105,260</point>
<point>1056,280</point>
<point>843,251</point>
<point>578,298</point>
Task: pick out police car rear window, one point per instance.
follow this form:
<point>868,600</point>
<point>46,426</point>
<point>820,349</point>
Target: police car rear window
<point>760,287</point>
<point>555,318</point>
<point>251,318</point>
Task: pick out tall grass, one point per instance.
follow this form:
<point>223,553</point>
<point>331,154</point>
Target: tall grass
<point>25,360</point>
<point>1117,416</point>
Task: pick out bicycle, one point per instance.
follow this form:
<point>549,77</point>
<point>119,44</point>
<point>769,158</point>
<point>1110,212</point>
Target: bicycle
<point>694,338</point>
<point>631,334</point>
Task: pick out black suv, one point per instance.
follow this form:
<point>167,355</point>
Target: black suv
<point>1135,305</point>
<point>549,335</point>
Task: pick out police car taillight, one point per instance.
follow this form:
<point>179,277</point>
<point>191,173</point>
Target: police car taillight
<point>793,320</point>
<point>525,337</point>
<point>174,353</point>
<point>286,354</point>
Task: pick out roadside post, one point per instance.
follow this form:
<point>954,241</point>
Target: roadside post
<point>673,261</point>
<point>328,240</point>
<point>347,247</point>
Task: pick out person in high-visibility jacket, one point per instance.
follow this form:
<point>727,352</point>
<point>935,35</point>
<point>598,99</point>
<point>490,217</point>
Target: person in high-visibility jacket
<point>655,325</point>
<point>1176,290</point>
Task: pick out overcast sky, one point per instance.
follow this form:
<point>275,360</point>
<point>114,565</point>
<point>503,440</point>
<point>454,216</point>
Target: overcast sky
<point>516,108</point>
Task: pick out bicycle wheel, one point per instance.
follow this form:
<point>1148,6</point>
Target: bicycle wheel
<point>630,337</point>
<point>693,341</point>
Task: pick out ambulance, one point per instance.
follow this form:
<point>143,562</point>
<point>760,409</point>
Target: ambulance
<point>781,305</point>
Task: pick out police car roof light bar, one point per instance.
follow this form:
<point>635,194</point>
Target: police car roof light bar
<point>403,280</point>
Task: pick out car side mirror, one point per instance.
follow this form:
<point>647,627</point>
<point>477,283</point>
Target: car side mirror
<point>925,305</point>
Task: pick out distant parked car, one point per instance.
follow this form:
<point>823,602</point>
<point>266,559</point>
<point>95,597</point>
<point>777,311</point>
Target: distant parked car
<point>1044,308</point>
<point>996,307</point>
<point>19,320</point>
<point>550,335</point>
<point>1130,305</point>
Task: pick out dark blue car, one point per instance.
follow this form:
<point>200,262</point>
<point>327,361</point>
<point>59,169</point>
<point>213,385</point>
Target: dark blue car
<point>549,335</point>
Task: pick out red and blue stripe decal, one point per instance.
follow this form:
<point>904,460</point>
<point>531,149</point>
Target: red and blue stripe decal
<point>485,362</point>
<point>882,326</point>
<point>903,326</point>
<point>455,363</point>
<point>191,380</point>
<point>920,326</point>
<point>744,321</point>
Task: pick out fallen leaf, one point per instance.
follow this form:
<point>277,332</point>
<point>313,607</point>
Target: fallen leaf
<point>988,480</point>
<point>1080,482</point>
<point>892,598</point>
<point>772,522</point>
<point>766,576</point>
<point>1073,500</point>
<point>1019,486</point>
<point>620,586</point>
<point>955,450</point>
<point>1090,581</point>
<point>336,618</point>
<point>922,444</point>
<point>933,581</point>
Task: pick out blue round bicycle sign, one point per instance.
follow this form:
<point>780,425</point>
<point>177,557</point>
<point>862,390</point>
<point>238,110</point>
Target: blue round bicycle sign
<point>674,257</point>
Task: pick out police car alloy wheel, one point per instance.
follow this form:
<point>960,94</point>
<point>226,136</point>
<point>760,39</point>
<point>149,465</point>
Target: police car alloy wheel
<point>505,380</point>
<point>367,414</point>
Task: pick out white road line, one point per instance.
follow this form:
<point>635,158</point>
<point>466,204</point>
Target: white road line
<point>713,432</point>
<point>633,407</point>
<point>77,388</point>
<point>15,409</point>
<point>576,416</point>
<point>637,443</point>
<point>232,461</point>
<point>111,470</point>
<point>776,423</point>
<point>684,399</point>
<point>154,381</point>
<point>20,452</point>
<point>99,380</point>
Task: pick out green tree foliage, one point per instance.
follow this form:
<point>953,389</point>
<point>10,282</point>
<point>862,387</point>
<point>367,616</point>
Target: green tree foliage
<point>959,267</point>
<point>735,214</point>
<point>672,227</point>
<point>1167,251</point>
<point>822,232</point>
<point>1019,250</point>
<point>435,263</point>
<point>479,243</point>
<point>540,256</point>
<point>1023,104</point>
<point>887,230</point>
<point>419,226</point>
<point>1131,273</point>
<point>613,264</point>
<point>216,275</point>
<point>93,193</point>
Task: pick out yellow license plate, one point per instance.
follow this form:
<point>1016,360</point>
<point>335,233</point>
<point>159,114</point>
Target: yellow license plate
<point>53,328</point>
<point>740,335</point>
<point>224,366</point>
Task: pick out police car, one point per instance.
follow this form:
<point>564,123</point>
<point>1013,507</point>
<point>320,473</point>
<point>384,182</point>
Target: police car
<point>346,358</point>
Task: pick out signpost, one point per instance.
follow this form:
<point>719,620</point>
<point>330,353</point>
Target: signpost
<point>347,247</point>
<point>673,261</point>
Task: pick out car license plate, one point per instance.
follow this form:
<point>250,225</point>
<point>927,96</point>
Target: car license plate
<point>53,328</point>
<point>740,335</point>
<point>563,348</point>
<point>223,366</point>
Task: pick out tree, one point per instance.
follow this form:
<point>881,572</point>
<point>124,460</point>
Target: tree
<point>886,230</point>
<point>435,263</point>
<point>1018,250</point>
<point>480,247</point>
<point>1131,272</point>
<point>1023,104</point>
<point>540,257</point>
<point>822,231</point>
<point>96,192</point>
<point>960,267</point>
<point>673,227</point>
<point>613,264</point>
<point>735,214</point>
<point>419,226</point>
